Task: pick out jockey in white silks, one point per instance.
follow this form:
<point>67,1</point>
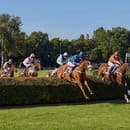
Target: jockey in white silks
<point>61,60</point>
<point>28,61</point>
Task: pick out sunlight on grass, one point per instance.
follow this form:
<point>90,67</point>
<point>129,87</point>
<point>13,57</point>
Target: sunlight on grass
<point>96,116</point>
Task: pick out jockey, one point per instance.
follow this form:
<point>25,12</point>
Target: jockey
<point>113,63</point>
<point>28,62</point>
<point>62,59</point>
<point>73,62</point>
<point>7,65</point>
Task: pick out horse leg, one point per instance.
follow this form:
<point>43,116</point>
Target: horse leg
<point>82,90</point>
<point>126,98</point>
<point>89,89</point>
<point>53,73</point>
<point>99,74</point>
<point>126,95</point>
<point>67,77</point>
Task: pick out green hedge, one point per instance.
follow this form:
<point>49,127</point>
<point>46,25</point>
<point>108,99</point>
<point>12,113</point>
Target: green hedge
<point>22,91</point>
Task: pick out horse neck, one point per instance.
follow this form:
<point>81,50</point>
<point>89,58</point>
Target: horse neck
<point>33,67</point>
<point>11,69</point>
<point>37,64</point>
<point>83,65</point>
<point>123,68</point>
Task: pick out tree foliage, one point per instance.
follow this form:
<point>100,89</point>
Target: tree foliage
<point>19,45</point>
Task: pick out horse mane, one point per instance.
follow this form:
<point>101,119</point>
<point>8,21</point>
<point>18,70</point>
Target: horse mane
<point>32,70</point>
<point>82,66</point>
<point>123,68</point>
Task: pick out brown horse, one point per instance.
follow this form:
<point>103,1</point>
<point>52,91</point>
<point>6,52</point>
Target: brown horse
<point>78,76</point>
<point>102,70</point>
<point>10,73</point>
<point>117,77</point>
<point>32,71</point>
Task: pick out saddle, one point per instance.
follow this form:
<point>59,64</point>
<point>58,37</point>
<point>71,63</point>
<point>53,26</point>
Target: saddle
<point>69,70</point>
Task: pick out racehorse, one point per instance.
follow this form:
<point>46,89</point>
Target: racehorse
<point>32,71</point>
<point>10,73</point>
<point>117,77</point>
<point>77,76</point>
<point>102,70</point>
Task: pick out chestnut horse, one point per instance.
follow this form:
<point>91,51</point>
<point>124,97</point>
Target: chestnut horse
<point>117,77</point>
<point>102,70</point>
<point>78,76</point>
<point>10,73</point>
<point>32,71</point>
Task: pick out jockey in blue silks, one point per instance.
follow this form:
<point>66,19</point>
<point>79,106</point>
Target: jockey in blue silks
<point>74,61</point>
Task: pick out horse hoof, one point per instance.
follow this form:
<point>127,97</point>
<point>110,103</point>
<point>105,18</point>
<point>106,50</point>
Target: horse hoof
<point>128,101</point>
<point>91,93</point>
<point>86,97</point>
<point>102,79</point>
<point>126,98</point>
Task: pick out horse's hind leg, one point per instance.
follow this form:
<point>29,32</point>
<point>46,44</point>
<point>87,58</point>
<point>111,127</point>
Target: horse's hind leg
<point>126,98</point>
<point>89,89</point>
<point>126,94</point>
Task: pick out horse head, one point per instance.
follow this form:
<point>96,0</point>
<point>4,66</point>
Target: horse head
<point>119,74</point>
<point>102,69</point>
<point>122,69</point>
<point>11,71</point>
<point>32,70</point>
<point>84,64</point>
<point>37,64</point>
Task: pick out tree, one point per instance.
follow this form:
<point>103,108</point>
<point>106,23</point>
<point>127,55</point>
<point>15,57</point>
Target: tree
<point>9,26</point>
<point>38,43</point>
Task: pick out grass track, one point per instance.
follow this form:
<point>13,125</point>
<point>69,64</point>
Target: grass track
<point>112,115</point>
<point>44,73</point>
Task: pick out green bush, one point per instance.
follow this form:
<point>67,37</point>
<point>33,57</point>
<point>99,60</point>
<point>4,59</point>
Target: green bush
<point>22,91</point>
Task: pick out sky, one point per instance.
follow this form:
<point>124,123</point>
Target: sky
<point>68,19</point>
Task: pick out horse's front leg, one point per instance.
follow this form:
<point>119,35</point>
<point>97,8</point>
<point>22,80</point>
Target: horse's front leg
<point>98,75</point>
<point>89,89</point>
<point>82,90</point>
<point>67,77</point>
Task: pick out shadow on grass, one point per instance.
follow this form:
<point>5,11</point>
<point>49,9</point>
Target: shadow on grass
<point>115,102</point>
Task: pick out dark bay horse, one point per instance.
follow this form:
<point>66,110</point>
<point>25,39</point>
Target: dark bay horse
<point>78,76</point>
<point>10,73</point>
<point>32,71</point>
<point>117,77</point>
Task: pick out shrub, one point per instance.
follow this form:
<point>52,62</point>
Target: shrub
<point>22,91</point>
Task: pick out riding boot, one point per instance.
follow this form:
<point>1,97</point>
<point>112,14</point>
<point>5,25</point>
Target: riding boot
<point>113,69</point>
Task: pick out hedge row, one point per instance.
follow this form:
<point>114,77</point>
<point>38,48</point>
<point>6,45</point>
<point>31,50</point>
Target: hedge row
<point>22,91</point>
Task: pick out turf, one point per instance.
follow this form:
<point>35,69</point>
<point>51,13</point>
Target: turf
<point>109,115</point>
